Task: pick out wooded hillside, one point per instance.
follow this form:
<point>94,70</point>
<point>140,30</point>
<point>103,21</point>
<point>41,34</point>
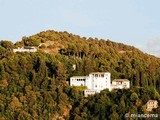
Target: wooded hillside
<point>33,85</point>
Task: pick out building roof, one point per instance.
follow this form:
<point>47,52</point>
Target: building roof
<point>79,76</point>
<point>29,47</point>
<point>116,85</point>
<point>120,80</point>
<point>152,101</point>
<point>99,72</point>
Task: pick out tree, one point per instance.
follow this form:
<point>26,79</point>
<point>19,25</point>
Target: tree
<point>42,72</point>
<point>2,52</point>
<point>3,83</point>
<point>61,72</point>
<point>31,41</point>
<point>114,116</point>
<point>15,104</point>
<point>7,44</point>
<point>134,97</point>
<point>2,72</point>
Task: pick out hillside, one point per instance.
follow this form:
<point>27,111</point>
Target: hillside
<point>121,60</point>
<point>33,85</point>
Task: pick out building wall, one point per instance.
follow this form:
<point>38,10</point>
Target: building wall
<point>116,86</point>
<point>120,85</point>
<point>95,81</point>
<point>108,80</point>
<point>151,105</point>
<point>25,50</point>
<point>89,82</point>
<point>100,81</point>
<point>128,84</point>
<point>89,92</point>
<point>77,81</point>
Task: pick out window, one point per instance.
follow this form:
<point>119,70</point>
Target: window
<point>96,75</point>
<point>102,75</point>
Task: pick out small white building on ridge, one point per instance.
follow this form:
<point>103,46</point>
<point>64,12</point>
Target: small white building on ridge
<point>97,81</point>
<point>26,49</point>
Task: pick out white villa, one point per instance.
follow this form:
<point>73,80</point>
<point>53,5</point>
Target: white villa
<point>26,49</point>
<point>97,81</point>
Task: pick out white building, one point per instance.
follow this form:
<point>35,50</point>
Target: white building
<point>97,81</point>
<point>26,49</point>
<point>120,84</point>
<point>89,92</point>
<point>78,81</point>
<point>151,104</point>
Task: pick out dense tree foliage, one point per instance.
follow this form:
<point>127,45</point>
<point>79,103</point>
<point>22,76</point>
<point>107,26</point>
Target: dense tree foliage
<point>114,105</point>
<point>33,85</point>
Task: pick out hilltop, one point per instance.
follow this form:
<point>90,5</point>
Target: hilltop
<point>93,54</point>
<point>100,55</point>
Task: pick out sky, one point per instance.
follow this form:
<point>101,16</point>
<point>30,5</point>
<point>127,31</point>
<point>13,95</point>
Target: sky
<point>132,22</point>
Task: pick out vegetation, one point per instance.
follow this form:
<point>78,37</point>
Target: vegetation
<point>113,105</point>
<point>33,85</point>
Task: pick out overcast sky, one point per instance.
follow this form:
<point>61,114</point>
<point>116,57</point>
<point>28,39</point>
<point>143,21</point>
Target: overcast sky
<point>132,22</point>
